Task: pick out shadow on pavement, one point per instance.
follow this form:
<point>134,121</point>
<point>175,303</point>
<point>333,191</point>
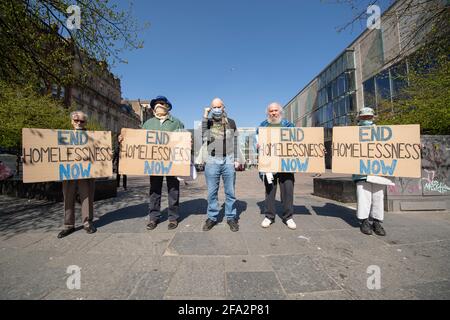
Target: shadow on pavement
<point>200,207</point>
<point>131,212</point>
<point>241,206</point>
<point>336,211</point>
<point>298,210</point>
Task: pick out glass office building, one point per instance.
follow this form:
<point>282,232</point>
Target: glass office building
<point>336,94</point>
<point>372,70</point>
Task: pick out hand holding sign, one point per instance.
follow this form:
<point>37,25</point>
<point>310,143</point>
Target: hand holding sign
<point>151,152</point>
<point>377,150</point>
<point>291,150</point>
<point>57,155</point>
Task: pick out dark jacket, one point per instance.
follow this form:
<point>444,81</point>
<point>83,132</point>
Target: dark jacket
<point>223,147</point>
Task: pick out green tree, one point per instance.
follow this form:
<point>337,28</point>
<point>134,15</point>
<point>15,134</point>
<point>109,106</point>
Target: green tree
<point>21,107</point>
<point>37,46</point>
<point>38,50</point>
<point>426,99</point>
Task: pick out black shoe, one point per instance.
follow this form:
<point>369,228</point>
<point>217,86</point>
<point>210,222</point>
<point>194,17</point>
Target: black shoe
<point>378,228</point>
<point>65,233</point>
<point>172,225</point>
<point>152,225</point>
<point>366,228</point>
<point>208,224</point>
<point>233,225</point>
<point>90,228</point>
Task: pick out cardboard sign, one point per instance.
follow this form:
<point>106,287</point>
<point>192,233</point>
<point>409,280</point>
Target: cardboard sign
<point>377,150</point>
<point>155,153</point>
<point>57,155</point>
<point>291,150</point>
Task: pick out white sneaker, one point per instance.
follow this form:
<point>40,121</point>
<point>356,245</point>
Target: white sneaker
<point>291,224</point>
<point>266,223</point>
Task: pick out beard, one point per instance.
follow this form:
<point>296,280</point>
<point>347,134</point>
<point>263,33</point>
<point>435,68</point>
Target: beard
<point>274,120</point>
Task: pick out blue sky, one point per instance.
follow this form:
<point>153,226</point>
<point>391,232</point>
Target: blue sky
<point>247,52</point>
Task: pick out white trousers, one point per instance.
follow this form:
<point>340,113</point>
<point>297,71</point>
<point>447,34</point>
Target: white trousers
<point>370,197</point>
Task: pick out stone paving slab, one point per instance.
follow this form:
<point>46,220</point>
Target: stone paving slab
<point>207,244</point>
<point>324,295</point>
<point>198,277</point>
<point>438,290</point>
<point>78,241</point>
<point>418,233</point>
<point>28,276</point>
<point>327,257</point>
<point>299,274</point>
<point>22,240</point>
<point>150,285</point>
<point>247,263</point>
<point>268,243</point>
<point>157,264</point>
<point>253,286</point>
<point>134,244</point>
<point>65,294</point>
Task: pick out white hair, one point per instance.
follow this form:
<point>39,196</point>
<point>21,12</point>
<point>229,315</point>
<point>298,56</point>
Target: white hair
<point>275,104</point>
<point>79,112</point>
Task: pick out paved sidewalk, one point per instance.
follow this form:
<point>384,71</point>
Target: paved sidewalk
<point>325,258</point>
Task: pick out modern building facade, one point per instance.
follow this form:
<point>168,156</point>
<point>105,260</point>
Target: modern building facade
<point>247,145</point>
<point>369,71</point>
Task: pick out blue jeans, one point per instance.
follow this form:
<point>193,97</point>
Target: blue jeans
<point>216,167</point>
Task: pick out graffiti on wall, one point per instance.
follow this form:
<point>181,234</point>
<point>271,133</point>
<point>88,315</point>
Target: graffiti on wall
<point>435,165</point>
<point>435,170</point>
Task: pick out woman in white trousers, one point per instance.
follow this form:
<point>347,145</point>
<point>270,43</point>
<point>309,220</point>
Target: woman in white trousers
<point>370,190</point>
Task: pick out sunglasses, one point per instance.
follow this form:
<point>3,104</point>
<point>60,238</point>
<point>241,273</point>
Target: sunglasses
<point>80,121</point>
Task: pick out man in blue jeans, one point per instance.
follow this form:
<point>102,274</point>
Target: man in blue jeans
<point>220,133</point>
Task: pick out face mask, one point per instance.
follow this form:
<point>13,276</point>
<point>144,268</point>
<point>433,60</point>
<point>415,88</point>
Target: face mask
<point>217,112</point>
<point>365,122</point>
<point>161,112</point>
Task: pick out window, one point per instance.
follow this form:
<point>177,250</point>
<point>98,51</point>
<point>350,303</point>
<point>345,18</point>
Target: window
<point>329,112</point>
<point>398,78</point>
<point>344,62</point>
<point>383,86</point>
<point>329,93</point>
<point>342,106</point>
<point>369,93</point>
<point>346,121</point>
<point>334,92</point>
<point>350,77</point>
<point>320,116</point>
<point>333,70</point>
<point>328,77</point>
<point>351,103</point>
<point>350,60</point>
<point>316,116</point>
<point>340,68</point>
<point>323,99</point>
<point>341,85</point>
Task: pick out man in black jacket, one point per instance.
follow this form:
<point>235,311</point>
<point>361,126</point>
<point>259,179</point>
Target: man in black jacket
<point>220,133</point>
